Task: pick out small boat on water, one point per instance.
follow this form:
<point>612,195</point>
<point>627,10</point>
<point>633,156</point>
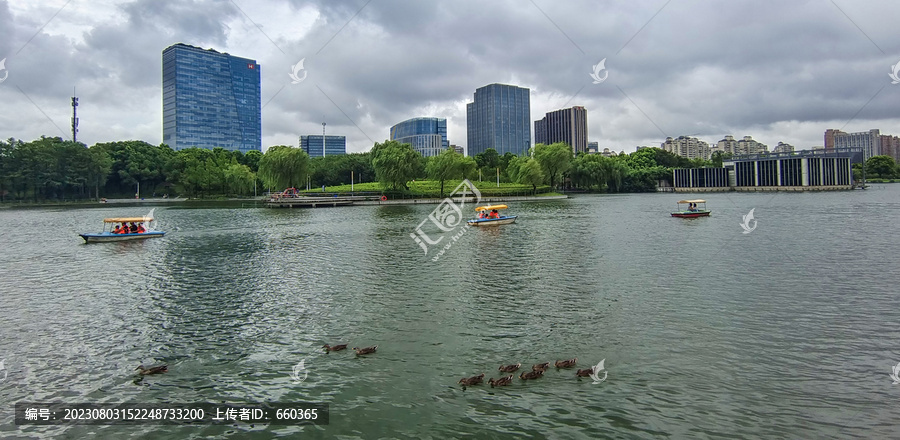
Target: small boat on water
<point>492,221</point>
<point>109,227</point>
<point>690,209</point>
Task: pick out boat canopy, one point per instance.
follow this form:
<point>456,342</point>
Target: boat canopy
<point>693,201</point>
<point>127,219</point>
<point>490,207</point>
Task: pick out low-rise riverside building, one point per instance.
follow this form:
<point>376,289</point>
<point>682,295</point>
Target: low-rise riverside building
<point>788,171</point>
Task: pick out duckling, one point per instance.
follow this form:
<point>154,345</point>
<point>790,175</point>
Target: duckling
<point>540,367</point>
<point>584,373</point>
<point>532,375</point>
<point>566,364</point>
<point>367,350</point>
<point>474,380</point>
<point>501,382</point>
<point>152,370</point>
<point>335,347</point>
<point>509,368</point>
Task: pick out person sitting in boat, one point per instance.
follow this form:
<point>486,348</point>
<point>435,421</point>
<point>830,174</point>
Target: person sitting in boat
<point>140,228</point>
<point>118,230</point>
<point>133,228</point>
<point>691,207</point>
<point>124,229</point>
<point>494,214</point>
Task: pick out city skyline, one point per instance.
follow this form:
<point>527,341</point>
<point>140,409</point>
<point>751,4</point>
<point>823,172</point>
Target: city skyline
<point>363,66</point>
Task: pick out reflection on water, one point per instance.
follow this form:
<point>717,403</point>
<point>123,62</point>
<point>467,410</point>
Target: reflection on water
<point>706,331</point>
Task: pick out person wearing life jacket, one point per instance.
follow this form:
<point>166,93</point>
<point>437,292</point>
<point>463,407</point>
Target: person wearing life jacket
<point>140,228</point>
<point>133,228</point>
<point>494,214</point>
<point>118,230</point>
<point>124,229</point>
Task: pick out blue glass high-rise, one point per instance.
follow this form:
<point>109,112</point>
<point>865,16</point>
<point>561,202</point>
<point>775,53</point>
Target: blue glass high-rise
<point>312,145</point>
<point>500,118</point>
<point>210,100</point>
<point>428,136</point>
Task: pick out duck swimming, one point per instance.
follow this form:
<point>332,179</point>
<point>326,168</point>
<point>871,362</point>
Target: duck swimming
<point>501,382</point>
<point>567,363</point>
<point>474,380</point>
<point>540,367</point>
<point>509,368</point>
<point>334,347</point>
<point>152,370</point>
<point>367,350</point>
<point>535,374</point>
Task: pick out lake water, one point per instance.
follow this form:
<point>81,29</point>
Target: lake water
<point>789,331</point>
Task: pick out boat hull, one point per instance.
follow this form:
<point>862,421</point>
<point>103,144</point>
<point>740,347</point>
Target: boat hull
<point>689,214</point>
<point>107,236</point>
<point>493,221</point>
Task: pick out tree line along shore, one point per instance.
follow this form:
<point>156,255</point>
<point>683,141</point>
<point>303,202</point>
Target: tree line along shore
<point>51,169</point>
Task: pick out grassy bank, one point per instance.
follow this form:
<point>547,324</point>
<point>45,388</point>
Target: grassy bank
<point>432,189</point>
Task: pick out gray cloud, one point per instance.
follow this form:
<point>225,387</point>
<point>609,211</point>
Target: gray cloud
<point>777,71</point>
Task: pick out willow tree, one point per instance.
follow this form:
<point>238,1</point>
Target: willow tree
<point>554,159</point>
<point>445,166</point>
<point>396,164</point>
<point>283,167</point>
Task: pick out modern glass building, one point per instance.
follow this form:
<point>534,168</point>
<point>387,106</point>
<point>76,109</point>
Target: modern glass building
<point>568,125</point>
<point>428,136</point>
<point>314,147</point>
<point>210,100</point>
<point>500,118</point>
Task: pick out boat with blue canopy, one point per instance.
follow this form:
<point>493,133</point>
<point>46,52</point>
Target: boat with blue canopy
<point>490,216</point>
<point>112,232</point>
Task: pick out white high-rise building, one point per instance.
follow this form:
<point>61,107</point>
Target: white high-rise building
<point>689,147</point>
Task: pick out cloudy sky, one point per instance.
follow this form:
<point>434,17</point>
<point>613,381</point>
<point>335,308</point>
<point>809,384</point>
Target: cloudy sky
<point>774,70</point>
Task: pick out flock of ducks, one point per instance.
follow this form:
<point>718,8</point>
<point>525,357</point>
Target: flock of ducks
<point>537,371</point>
<point>359,351</point>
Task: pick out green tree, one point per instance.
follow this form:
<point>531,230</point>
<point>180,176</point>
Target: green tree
<point>396,164</point>
<point>283,167</point>
<point>445,166</point>
<point>643,158</point>
<point>881,166</point>
<point>504,166</point>
<point>554,160</point>
<point>240,179</point>
<point>718,157</point>
<point>529,172</point>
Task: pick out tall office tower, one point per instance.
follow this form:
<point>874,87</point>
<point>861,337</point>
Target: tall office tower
<point>500,118</point>
<point>210,100</point>
<point>568,125</point>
